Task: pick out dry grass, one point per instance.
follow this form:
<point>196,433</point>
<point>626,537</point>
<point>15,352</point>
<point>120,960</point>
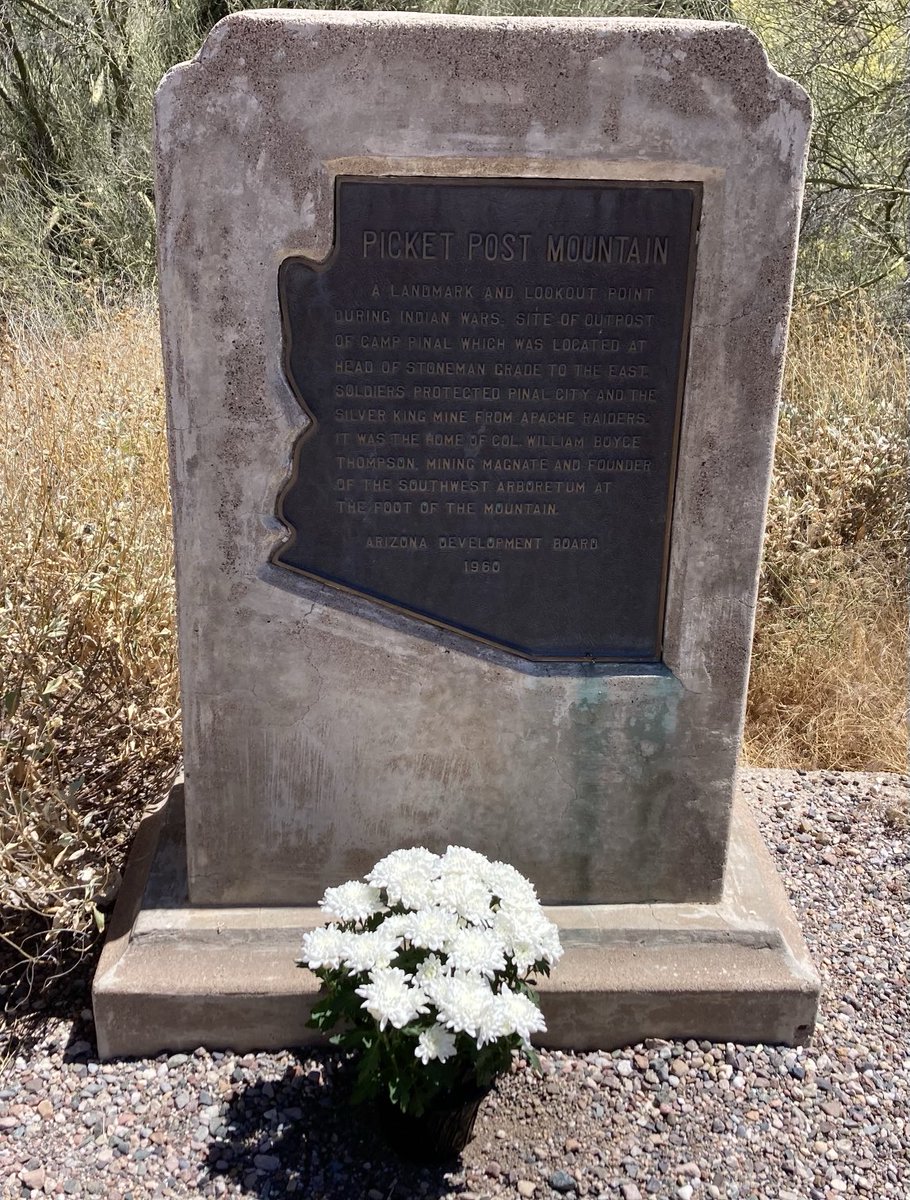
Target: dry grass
<point>829,673</point>
<point>89,728</point>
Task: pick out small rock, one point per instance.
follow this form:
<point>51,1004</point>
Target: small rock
<point>679,1067</point>
<point>833,1108</point>
<point>572,1145</point>
<point>526,1187</point>
<point>266,1162</point>
<point>45,1108</point>
<point>33,1179</point>
<point>630,1191</point>
<point>624,1068</point>
<point>177,1060</point>
<point>559,1181</point>
<point>685,1192</point>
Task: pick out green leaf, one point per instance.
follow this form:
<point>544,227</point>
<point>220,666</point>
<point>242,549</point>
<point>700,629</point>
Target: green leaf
<point>533,1058</point>
<point>368,1075</point>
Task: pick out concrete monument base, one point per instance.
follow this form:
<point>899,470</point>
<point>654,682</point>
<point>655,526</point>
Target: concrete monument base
<point>174,976</point>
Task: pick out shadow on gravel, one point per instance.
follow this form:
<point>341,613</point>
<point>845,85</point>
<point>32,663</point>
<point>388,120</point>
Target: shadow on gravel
<point>299,1136</point>
<point>23,1028</point>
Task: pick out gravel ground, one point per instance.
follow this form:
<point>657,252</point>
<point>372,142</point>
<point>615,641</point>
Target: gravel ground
<point>664,1120</point>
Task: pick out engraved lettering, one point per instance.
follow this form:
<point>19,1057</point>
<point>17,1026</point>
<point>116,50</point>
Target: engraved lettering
<point>584,543</point>
<point>407,244</point>
<point>445,368</point>
<point>362,316</point>
<point>494,371</point>
<point>457,542</point>
<point>498,247</point>
<point>397,542</point>
<point>610,249</point>
<point>506,508</point>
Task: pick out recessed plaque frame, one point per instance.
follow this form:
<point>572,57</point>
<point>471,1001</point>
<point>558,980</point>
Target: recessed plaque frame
<point>451,502</point>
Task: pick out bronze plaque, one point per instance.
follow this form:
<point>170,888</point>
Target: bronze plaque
<point>494,372</point>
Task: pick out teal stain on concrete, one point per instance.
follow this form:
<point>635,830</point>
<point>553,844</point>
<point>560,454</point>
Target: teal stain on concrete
<point>612,718</point>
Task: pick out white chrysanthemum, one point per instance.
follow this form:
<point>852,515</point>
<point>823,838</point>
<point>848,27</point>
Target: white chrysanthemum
<point>435,1042</point>
<point>461,858</point>
<point>524,955</point>
<point>354,901</point>
<point>397,924</point>
<point>415,859</point>
<point>431,928</point>
<point>467,896</point>
<point>547,941</point>
<point>416,892</point>
<point>527,935</point>
<point>493,1023</point>
<point>510,885</point>
<point>324,947</point>
<point>390,999</point>
<point>515,1013</point>
<point>432,967</point>
<point>407,876</point>
<point>413,856</point>
<point>479,951</point>
<point>370,951</point>
<point>463,1002</point>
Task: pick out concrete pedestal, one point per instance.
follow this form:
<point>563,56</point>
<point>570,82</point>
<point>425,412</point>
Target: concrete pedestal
<point>174,976</point>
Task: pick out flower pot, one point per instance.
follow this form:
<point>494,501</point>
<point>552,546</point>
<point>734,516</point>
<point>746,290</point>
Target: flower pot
<point>441,1131</point>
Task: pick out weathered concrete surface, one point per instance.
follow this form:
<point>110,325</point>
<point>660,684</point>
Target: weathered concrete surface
<point>173,976</point>
<point>320,732</point>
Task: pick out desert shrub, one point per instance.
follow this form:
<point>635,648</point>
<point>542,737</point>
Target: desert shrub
<point>851,57</point>
<point>829,665</point>
<point>88,725</point>
<point>76,84</point>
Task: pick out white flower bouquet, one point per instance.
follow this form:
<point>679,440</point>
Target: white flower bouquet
<point>428,967</point>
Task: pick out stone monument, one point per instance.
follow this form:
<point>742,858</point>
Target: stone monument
<point>473,333</point>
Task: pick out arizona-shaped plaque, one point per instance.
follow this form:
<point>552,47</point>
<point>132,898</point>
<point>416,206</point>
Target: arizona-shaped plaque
<point>494,373</point>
